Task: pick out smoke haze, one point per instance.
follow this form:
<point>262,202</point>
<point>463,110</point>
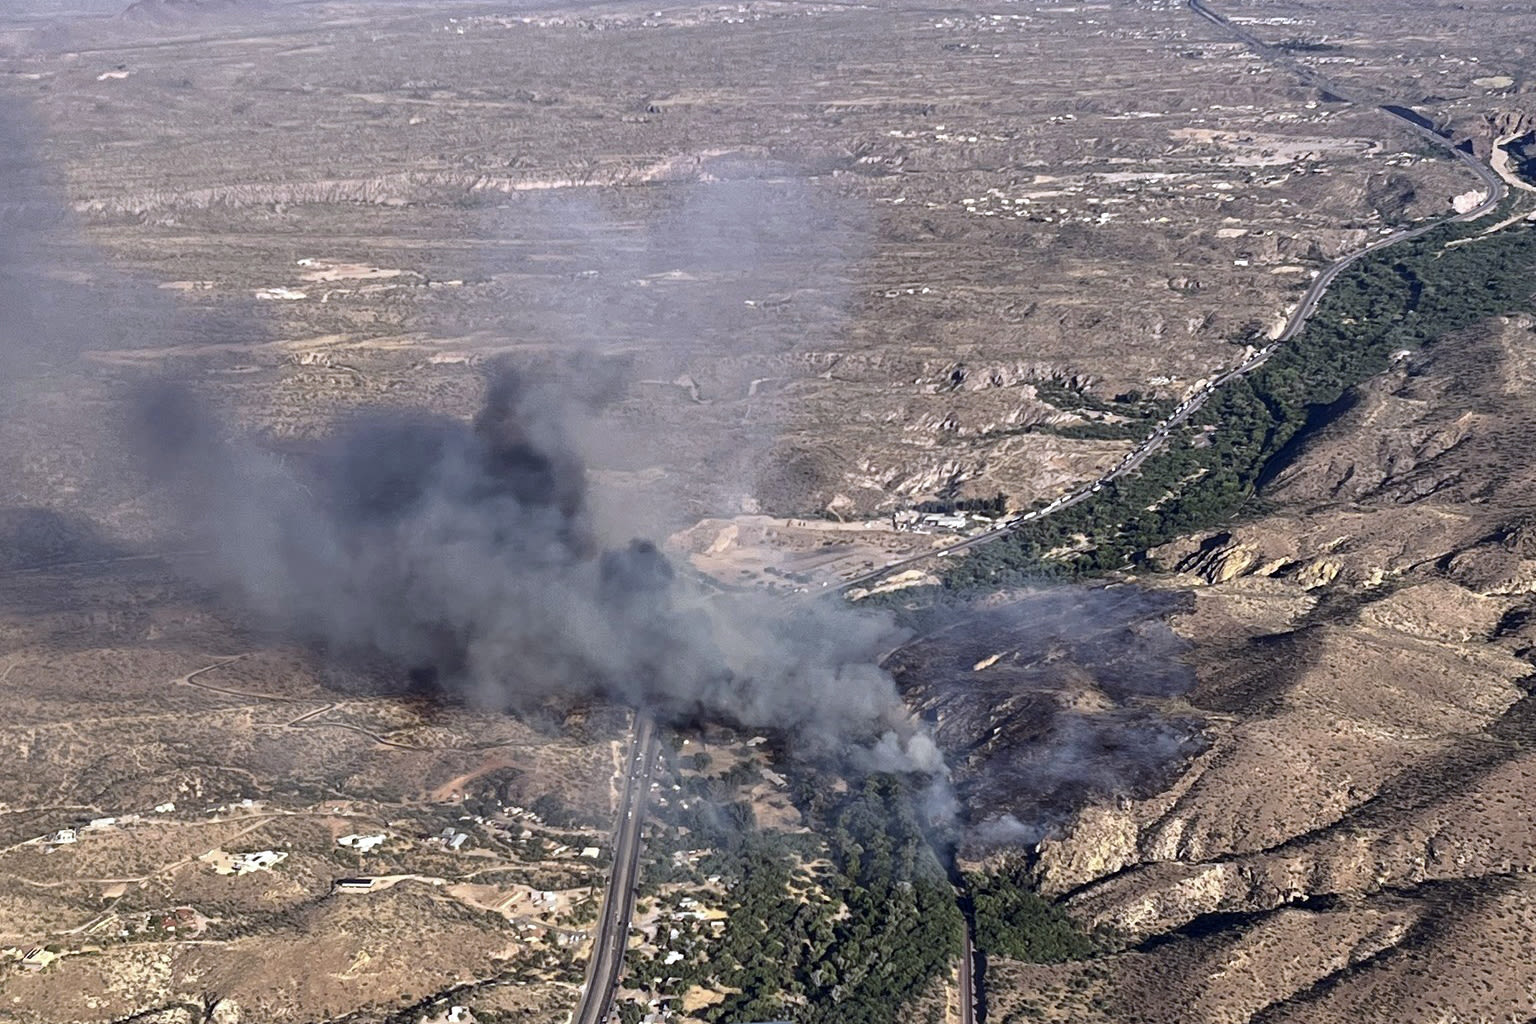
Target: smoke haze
<point>1052,701</point>
<point>464,555</point>
<point>468,555</point>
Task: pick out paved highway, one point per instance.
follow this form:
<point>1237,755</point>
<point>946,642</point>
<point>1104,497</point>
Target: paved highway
<point>612,932</point>
<point>607,960</point>
<point>1133,460</point>
<point>967,979</point>
<point>1159,435</point>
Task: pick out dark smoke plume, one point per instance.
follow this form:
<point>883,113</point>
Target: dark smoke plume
<point>464,554</point>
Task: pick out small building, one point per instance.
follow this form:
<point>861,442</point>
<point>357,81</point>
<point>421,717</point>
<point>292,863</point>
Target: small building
<point>64,836</point>
<point>451,838</point>
<point>354,884</point>
<point>101,823</point>
<point>261,860</point>
<point>165,808</point>
<point>590,852</point>
<point>36,958</point>
<point>361,843</point>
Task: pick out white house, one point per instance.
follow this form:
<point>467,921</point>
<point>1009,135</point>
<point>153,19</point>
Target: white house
<point>361,843</point>
<point>261,860</point>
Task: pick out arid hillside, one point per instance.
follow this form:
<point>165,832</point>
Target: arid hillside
<point>1363,665</point>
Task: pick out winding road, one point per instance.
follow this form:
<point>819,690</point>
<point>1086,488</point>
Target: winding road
<point>1496,191</point>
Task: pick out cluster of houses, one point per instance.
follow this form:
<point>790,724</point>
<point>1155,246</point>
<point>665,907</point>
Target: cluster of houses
<point>74,833</point>
<point>71,834</point>
<point>454,839</point>
<point>503,832</point>
<point>449,838</point>
<point>182,920</point>
<point>522,812</point>
<point>687,908</point>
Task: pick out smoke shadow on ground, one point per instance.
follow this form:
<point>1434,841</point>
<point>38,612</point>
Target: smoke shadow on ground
<point>1051,701</point>
<point>37,538</point>
<point>701,301</point>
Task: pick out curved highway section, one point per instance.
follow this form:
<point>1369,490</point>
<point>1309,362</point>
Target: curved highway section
<point>1496,190</point>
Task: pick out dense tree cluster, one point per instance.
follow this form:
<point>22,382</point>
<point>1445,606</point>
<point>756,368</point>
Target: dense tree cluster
<point>1075,399</point>
<point>846,924</point>
<point>995,505</point>
<point>1402,298</point>
<point>1014,921</point>
<point>886,921</point>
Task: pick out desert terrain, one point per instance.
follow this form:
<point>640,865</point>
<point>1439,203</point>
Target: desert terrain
<point>811,275</point>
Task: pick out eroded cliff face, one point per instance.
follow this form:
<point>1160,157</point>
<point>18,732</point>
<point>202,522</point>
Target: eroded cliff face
<point>1363,663</point>
<point>1517,117</point>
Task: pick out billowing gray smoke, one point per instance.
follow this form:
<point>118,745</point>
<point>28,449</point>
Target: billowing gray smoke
<point>467,554</point>
<point>464,553</point>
